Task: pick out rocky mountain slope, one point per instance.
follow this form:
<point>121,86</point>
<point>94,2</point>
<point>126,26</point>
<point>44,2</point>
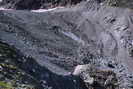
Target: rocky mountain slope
<point>45,4</point>
<point>41,50</point>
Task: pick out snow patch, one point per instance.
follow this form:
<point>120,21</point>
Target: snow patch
<point>46,10</point>
<point>1,8</point>
<point>79,69</point>
<point>74,37</point>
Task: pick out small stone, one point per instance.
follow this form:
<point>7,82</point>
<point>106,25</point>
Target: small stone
<point>0,55</point>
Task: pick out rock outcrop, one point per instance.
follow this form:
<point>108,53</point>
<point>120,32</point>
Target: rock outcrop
<point>96,78</point>
<point>119,3</point>
<point>36,4</point>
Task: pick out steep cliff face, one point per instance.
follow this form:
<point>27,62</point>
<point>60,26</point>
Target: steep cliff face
<point>47,46</point>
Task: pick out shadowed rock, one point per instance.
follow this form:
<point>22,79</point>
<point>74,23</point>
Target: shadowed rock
<point>37,4</point>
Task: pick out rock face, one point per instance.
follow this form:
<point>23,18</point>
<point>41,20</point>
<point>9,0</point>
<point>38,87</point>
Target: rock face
<point>36,4</point>
<point>96,78</point>
<point>47,46</point>
<point>119,3</point>
<point>41,4</point>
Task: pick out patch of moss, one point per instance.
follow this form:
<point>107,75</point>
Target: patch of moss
<point>11,74</point>
<point>8,66</point>
<point>5,85</point>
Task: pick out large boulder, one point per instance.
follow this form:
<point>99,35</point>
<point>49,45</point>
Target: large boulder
<point>96,78</point>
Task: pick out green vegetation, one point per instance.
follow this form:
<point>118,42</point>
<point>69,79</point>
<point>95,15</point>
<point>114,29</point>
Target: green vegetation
<point>5,85</point>
<point>11,76</point>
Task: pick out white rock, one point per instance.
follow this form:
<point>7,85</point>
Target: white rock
<point>79,69</point>
<point>82,71</point>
